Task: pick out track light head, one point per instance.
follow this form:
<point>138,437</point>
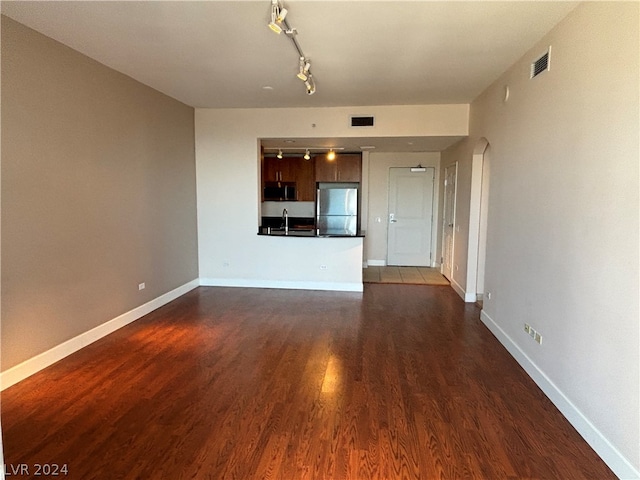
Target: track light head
<point>303,69</point>
<point>275,27</point>
<point>307,155</point>
<point>310,84</point>
<point>276,16</point>
<point>279,154</point>
<point>331,155</point>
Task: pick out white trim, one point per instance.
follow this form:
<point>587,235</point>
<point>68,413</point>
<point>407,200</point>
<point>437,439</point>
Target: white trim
<point>33,365</point>
<point>377,263</point>
<point>468,297</point>
<point>284,284</point>
<point>622,467</point>
<point>453,219</point>
<point>475,214</point>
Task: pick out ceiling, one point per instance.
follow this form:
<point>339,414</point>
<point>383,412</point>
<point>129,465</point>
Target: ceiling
<point>220,54</point>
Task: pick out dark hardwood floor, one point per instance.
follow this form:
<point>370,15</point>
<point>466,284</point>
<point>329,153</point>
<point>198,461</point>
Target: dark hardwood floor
<point>402,382</point>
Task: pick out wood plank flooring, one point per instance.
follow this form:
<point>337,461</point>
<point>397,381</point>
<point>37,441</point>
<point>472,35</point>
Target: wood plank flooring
<point>401,382</point>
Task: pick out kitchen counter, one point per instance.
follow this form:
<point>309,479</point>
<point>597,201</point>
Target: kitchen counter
<point>303,232</point>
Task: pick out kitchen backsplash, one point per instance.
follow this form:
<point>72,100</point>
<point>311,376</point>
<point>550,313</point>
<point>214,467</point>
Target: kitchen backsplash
<point>295,209</point>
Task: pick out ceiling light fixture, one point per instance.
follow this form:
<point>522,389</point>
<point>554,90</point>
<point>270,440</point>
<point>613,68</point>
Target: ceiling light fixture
<point>331,156</point>
<point>300,150</point>
<point>307,156</point>
<point>279,23</point>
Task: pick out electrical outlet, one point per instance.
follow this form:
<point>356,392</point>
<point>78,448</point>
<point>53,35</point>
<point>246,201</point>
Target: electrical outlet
<point>533,334</point>
<point>141,286</point>
<point>225,263</point>
<point>323,267</point>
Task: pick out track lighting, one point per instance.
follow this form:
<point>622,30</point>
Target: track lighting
<point>331,151</point>
<point>279,23</point>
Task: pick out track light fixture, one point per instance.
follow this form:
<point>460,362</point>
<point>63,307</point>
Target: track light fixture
<point>331,151</point>
<point>278,21</point>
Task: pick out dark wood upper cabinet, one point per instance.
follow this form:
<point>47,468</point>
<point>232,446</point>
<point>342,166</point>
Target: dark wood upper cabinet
<point>294,170</point>
<point>305,179</point>
<point>277,170</point>
<point>347,167</point>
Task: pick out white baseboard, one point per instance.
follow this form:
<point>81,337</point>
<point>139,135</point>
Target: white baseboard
<point>377,263</point>
<point>33,365</point>
<point>251,283</point>
<point>608,452</point>
<point>467,297</point>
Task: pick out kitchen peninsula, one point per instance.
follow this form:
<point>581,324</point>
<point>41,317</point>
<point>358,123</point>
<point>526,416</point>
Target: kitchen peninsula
<point>318,253</point>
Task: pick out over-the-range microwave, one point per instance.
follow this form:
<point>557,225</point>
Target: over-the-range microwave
<point>279,191</point>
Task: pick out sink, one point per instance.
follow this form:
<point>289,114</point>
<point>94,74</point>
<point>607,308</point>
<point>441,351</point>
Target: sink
<point>293,232</point>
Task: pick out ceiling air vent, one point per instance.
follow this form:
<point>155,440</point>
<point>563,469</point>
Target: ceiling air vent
<point>541,64</point>
<point>362,121</point>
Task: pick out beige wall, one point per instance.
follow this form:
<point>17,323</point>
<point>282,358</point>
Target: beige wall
<point>98,194</point>
<point>563,233</point>
<point>375,244</point>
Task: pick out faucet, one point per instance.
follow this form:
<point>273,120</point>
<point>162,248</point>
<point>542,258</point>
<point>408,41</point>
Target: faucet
<point>285,218</point>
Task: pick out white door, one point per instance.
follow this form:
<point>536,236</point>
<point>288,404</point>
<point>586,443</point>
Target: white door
<point>410,216</point>
<point>449,219</point>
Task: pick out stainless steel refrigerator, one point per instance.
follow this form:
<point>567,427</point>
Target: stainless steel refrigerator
<point>337,209</point>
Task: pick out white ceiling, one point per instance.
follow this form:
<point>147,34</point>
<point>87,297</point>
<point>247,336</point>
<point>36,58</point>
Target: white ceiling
<point>221,53</point>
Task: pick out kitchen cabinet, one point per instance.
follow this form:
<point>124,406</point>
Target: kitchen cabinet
<point>292,170</point>
<point>276,170</point>
<point>305,179</point>
<point>347,167</point>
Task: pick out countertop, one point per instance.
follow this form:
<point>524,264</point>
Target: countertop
<point>303,232</point>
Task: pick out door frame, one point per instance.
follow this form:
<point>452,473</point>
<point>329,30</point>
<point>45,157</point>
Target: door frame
<point>477,221</point>
<point>444,218</point>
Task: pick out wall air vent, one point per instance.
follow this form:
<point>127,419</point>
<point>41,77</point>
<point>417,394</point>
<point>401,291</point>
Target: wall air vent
<point>541,64</point>
<point>362,121</point>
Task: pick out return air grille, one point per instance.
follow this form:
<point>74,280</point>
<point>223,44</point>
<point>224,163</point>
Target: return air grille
<point>365,121</point>
<point>540,65</point>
